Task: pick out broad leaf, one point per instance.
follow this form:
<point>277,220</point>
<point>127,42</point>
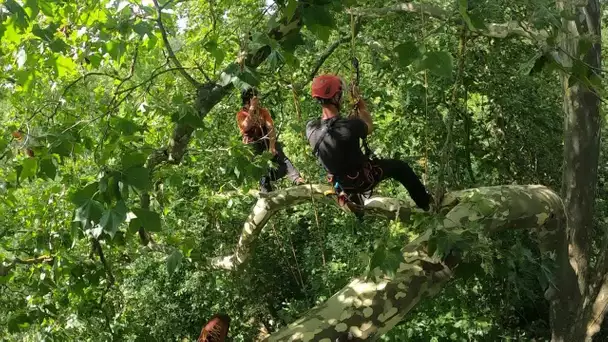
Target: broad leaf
<point>407,52</point>
<point>29,167</point>
<point>132,159</point>
<point>137,177</point>
<point>437,62</point>
<point>45,34</point>
<point>85,194</point>
<point>21,18</point>
<point>148,219</point>
<point>90,210</point>
<point>290,9</point>
<point>58,45</point>
<point>47,168</point>
<point>113,218</point>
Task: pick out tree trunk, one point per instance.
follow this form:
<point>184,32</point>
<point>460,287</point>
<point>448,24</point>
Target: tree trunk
<point>571,311</point>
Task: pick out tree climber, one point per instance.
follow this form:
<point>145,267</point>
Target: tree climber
<point>336,144</point>
<point>257,129</point>
<point>216,329</point>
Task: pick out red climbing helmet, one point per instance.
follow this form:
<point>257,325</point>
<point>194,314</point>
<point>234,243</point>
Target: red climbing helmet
<point>326,86</point>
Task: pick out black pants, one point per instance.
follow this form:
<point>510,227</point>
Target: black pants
<point>378,170</point>
<point>284,166</point>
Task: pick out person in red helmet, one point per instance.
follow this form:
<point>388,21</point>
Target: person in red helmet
<point>336,144</point>
<point>257,130</point>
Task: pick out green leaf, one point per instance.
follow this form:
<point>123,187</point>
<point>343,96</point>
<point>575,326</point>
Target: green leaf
<point>24,78</point>
<point>21,18</point>
<point>113,218</point>
<point>127,127</point>
<point>217,53</point>
<point>116,49</point>
<point>134,225</point>
<point>90,210</point>
<point>438,63</point>
<point>407,52</point>
<point>44,34</point>
<point>64,65</point>
<point>322,32</point>
<point>317,15</point>
<point>137,177</point>
<point>95,60</point>
<point>174,261</point>
<point>85,194</point>
<point>29,167</point>
<point>47,168</point>
<point>290,9</point>
<point>58,45</point>
<point>46,7</point>
<point>32,8</point>
<point>148,219</point>
<point>133,159</point>
<point>142,28</point>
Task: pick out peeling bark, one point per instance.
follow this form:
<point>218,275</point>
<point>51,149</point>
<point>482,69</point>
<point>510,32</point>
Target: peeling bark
<point>370,307</point>
<point>575,315</point>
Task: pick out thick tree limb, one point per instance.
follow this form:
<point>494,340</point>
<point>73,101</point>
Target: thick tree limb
<point>369,307</point>
<point>172,56</point>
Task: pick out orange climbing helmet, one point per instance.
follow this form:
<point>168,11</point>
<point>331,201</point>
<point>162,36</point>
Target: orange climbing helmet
<point>326,86</point>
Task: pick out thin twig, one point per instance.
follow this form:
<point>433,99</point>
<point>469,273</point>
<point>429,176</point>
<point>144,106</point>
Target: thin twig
<point>172,56</point>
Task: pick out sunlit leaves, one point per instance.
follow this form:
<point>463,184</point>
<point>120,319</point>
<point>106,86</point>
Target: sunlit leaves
<point>21,18</point>
<point>215,51</point>
<point>30,166</point>
<point>64,65</point>
<point>116,49</point>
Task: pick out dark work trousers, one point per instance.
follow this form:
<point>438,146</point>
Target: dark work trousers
<point>284,166</point>
<point>378,170</point>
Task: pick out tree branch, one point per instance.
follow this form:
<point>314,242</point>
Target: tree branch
<point>368,307</point>
<point>598,309</point>
<point>406,7</point>
<point>172,56</point>
<point>5,267</point>
<point>493,30</point>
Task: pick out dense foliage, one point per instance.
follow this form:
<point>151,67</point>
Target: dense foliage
<point>95,92</point>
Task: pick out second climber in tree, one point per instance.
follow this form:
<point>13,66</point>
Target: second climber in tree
<point>336,144</point>
<point>257,128</point>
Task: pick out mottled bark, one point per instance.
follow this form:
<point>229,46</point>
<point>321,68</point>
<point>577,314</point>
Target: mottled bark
<point>369,307</point>
<point>572,315</point>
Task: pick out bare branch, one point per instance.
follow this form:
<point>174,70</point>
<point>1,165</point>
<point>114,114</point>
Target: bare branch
<point>172,56</point>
